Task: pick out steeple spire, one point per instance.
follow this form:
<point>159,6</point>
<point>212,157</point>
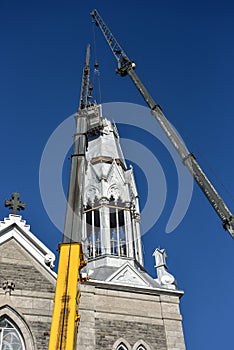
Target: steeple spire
<point>111,226</point>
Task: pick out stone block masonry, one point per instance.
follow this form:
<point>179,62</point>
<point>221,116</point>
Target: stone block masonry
<point>25,277</point>
<point>109,331</point>
<point>110,313</point>
<point>29,305</point>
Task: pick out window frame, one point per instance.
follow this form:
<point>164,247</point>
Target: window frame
<point>13,327</point>
<point>121,342</point>
<point>141,345</point>
<point>6,311</point>
<point>121,347</point>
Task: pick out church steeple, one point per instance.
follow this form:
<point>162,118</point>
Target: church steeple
<point>111,223</point>
<point>103,210</point>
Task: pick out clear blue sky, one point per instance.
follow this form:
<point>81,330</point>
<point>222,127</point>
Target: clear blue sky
<point>184,53</point>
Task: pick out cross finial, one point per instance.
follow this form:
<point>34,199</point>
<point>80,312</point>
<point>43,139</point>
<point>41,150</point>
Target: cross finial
<point>14,203</point>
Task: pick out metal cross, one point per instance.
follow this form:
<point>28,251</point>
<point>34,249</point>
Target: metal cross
<point>14,203</point>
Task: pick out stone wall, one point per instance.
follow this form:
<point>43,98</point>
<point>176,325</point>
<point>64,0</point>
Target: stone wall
<point>109,331</point>
<point>110,313</point>
<point>41,331</point>
<point>29,306</point>
<point>25,277</point>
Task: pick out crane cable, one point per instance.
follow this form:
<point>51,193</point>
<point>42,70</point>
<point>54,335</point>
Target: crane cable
<point>96,72</point>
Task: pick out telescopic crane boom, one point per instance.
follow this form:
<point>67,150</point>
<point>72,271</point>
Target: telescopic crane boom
<point>65,317</point>
<point>125,66</point>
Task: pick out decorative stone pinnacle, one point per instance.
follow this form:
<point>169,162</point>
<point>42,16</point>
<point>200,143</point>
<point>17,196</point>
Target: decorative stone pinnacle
<point>164,277</point>
<point>14,203</point>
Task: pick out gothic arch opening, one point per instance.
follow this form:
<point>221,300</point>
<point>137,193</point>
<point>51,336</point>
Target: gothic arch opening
<point>122,347</point>
<point>11,322</point>
<point>10,336</point>
<point>121,344</point>
<point>141,345</point>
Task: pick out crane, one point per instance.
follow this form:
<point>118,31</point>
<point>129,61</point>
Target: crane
<point>126,66</point>
<point>65,316</point>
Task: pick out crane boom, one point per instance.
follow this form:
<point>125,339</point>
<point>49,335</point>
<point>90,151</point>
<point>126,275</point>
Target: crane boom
<point>85,85</point>
<point>65,317</point>
<point>125,66</point>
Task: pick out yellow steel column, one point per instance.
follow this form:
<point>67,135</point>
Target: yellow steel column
<point>65,315</point>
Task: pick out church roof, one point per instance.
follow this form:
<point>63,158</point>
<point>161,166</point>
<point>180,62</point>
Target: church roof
<point>14,227</point>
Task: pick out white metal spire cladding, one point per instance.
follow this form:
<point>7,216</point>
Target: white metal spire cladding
<point>111,210</point>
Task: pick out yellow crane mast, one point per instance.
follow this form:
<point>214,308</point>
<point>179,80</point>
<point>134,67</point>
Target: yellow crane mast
<point>65,318</point>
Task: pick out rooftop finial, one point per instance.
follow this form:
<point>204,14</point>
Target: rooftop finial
<point>164,277</point>
<point>14,203</point>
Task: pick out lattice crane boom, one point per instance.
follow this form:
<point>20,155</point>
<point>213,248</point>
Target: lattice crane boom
<point>125,66</point>
<point>85,85</point>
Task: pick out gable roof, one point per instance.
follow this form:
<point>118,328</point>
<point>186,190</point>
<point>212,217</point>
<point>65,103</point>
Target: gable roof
<point>14,227</point>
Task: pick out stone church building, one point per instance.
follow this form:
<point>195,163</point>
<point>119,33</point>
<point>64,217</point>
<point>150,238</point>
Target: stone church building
<point>121,307</point>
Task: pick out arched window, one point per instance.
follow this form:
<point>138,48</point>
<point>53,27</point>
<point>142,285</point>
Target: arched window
<point>141,345</point>
<point>10,338</point>
<point>122,347</point>
<point>121,344</point>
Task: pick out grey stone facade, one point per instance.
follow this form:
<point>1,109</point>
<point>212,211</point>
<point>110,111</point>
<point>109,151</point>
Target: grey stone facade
<point>25,277</point>
<point>109,331</point>
<point>41,332</point>
<point>29,304</point>
<point>112,314</point>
